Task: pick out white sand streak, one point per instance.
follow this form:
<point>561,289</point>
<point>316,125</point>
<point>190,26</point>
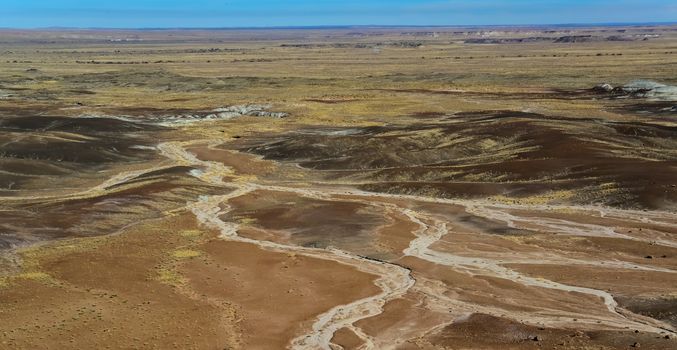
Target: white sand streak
<point>393,280</point>
<point>429,234</point>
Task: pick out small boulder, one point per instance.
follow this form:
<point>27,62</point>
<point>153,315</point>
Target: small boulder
<point>603,88</point>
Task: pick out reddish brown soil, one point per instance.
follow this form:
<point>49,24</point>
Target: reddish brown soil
<point>277,295</point>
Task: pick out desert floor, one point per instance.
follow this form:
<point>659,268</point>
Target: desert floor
<point>355,188</point>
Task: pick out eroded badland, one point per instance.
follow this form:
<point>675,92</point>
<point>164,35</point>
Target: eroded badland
<point>357,188</point>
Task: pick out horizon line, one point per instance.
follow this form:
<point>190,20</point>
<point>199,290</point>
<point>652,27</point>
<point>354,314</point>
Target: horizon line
<point>347,26</point>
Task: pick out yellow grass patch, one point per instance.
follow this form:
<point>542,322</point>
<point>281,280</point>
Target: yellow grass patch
<point>540,199</point>
<point>170,277</point>
<point>609,188</point>
<point>186,254</point>
<point>246,221</point>
<point>35,276</point>
<point>190,233</point>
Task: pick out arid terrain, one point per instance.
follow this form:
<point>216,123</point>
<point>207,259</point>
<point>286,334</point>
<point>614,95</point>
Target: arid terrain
<point>339,188</point>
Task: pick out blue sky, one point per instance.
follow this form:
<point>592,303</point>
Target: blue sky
<point>263,13</point>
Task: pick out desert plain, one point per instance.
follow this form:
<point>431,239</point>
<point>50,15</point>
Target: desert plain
<point>339,188</point>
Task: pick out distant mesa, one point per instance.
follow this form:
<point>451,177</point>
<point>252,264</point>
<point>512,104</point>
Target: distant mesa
<point>574,39</point>
<point>565,39</point>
